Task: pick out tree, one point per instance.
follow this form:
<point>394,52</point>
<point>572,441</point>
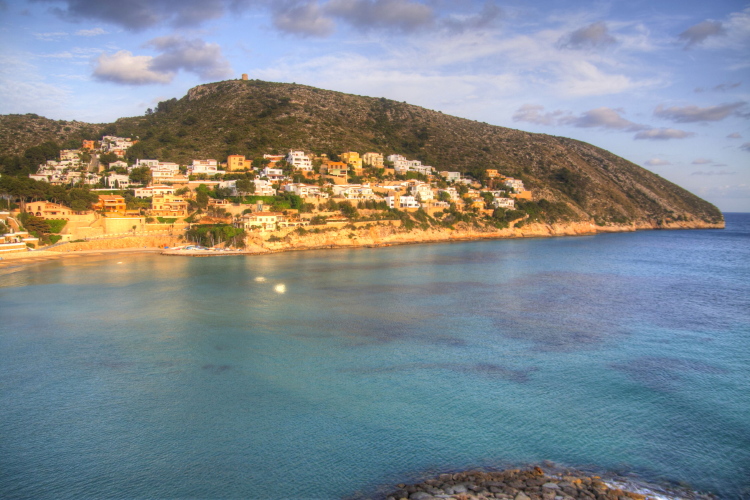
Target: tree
<point>35,225</point>
<point>245,186</point>
<point>140,175</point>
<point>107,158</point>
<point>81,199</point>
<point>201,196</point>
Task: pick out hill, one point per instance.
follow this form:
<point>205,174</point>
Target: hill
<point>20,132</point>
<point>255,117</point>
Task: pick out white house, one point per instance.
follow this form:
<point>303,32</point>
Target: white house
<point>117,181</point>
<point>118,164</point>
<point>504,203</point>
<point>452,192</point>
<point>151,191</point>
<point>231,185</point>
<point>145,163</point>
<point>69,155</point>
<point>515,184</point>
<point>403,201</point>
<point>265,221</point>
<point>450,176</point>
<point>273,174</point>
<point>423,192</point>
<point>264,188</point>
<point>299,160</point>
<point>208,167</point>
<point>353,191</point>
<point>305,190</point>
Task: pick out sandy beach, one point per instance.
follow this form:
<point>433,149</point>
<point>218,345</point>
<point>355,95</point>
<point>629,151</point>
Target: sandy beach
<point>16,259</point>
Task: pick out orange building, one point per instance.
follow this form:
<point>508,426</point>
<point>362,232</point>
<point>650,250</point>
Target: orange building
<point>88,145</point>
<point>110,203</point>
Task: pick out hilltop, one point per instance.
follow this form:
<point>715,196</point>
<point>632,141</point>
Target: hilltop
<point>256,117</point>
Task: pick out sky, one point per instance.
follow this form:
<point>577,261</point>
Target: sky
<point>664,84</point>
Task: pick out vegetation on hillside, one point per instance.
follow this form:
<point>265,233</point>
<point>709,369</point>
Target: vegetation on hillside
<point>253,118</point>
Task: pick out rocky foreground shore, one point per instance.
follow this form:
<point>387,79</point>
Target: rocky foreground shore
<point>535,484</point>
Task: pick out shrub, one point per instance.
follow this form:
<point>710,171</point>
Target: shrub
<point>56,225</point>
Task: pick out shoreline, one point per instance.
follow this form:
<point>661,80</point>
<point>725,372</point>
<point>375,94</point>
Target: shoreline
<point>19,259</point>
<point>372,237</point>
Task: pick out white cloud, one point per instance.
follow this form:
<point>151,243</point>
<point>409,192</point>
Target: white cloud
<point>592,36</point>
<point>734,135</point>
<point>57,55</point>
<point>391,15</point>
<point>50,36</point>
<point>305,19</point>
<point>583,78</point>
<point>603,118</point>
<point>532,113</point>
<point>92,32</point>
<point>696,34</point>
<point>663,134</point>
<point>657,162</point>
<point>701,161</point>
<point>123,67</point>
<point>694,113</point>
<point>192,55</point>
<point>177,53</point>
<point>488,18</point>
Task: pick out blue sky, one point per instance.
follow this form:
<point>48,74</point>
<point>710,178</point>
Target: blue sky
<point>664,84</point>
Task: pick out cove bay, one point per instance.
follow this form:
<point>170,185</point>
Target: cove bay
<point>330,374</point>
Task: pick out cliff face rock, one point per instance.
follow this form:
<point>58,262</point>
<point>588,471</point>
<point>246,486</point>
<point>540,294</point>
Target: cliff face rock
<point>377,236</point>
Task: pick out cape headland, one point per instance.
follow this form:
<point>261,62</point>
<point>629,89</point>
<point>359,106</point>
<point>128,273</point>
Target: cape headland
<point>280,165</point>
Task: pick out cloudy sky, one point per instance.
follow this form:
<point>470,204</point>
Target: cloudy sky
<point>664,84</point>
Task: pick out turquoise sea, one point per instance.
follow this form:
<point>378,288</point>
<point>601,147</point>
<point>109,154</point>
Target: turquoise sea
<point>331,374</point>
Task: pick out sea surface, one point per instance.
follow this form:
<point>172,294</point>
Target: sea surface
<point>334,374</point>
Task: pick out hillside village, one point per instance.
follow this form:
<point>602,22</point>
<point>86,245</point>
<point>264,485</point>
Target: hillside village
<point>218,203</point>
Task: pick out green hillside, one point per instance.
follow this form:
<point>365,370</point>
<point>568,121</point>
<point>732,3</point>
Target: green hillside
<point>255,117</point>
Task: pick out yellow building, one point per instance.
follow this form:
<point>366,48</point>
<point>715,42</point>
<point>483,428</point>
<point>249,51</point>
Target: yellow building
<point>492,173</point>
<point>373,159</point>
<point>238,162</point>
<point>352,159</point>
<point>168,205</point>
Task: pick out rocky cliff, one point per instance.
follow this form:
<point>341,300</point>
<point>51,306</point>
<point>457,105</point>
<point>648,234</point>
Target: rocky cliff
<point>386,235</point>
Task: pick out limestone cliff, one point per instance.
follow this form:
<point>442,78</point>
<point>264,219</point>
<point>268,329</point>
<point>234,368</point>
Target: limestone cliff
<point>384,235</point>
